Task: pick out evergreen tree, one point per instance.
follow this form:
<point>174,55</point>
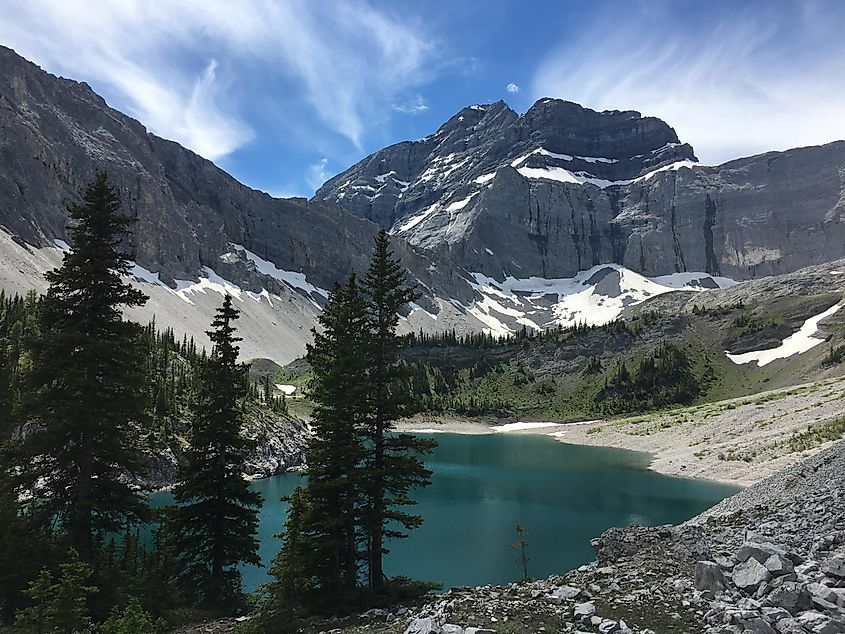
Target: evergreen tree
<point>217,517</point>
<point>318,567</point>
<point>85,404</point>
<point>132,619</point>
<point>392,464</point>
<point>520,545</point>
<point>60,606</point>
<point>339,362</point>
<point>24,549</point>
<point>285,597</point>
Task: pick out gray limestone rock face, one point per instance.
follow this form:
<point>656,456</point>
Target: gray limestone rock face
<point>563,188</point>
<point>58,133</point>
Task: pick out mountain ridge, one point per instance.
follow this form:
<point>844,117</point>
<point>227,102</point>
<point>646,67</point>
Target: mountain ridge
<point>555,196</point>
<point>514,248</point>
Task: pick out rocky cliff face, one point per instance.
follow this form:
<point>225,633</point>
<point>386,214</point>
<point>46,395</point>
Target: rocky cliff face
<point>562,188</point>
<point>199,232</point>
<point>56,133</point>
<point>503,221</point>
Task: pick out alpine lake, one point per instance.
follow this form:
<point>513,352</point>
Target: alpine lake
<point>563,495</point>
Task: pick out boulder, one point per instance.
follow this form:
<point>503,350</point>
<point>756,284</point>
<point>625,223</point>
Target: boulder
<point>818,623</point>
<point>749,574</point>
<point>789,626</point>
<point>709,577</point>
<point>450,628</point>
<point>835,567</point>
<point>757,625</point>
<point>821,591</point>
<point>791,596</point>
<point>565,593</point>
<point>826,606</point>
<point>607,626</point>
<point>760,551</point>
<point>779,565</point>
<point>585,610</point>
<point>424,625</point>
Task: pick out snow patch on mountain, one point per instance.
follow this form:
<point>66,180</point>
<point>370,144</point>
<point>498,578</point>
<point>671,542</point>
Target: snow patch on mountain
<point>460,204</point>
<point>797,343</point>
<point>290,278</point>
<point>413,221</point>
<point>593,297</point>
<point>564,175</point>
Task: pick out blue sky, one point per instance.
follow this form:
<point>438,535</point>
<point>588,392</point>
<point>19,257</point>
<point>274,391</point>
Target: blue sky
<point>284,94</point>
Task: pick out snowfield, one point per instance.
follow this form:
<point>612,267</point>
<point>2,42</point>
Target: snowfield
<point>521,426</point>
<point>797,343</point>
<point>593,297</point>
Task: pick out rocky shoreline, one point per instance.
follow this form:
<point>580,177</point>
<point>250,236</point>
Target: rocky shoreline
<point>703,441</point>
<point>280,443</point>
<point>770,560</point>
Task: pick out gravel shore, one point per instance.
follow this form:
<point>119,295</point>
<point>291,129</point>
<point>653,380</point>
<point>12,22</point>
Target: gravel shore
<point>738,441</point>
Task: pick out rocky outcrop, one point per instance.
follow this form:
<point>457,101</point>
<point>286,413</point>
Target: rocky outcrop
<point>279,447</point>
<point>563,188</point>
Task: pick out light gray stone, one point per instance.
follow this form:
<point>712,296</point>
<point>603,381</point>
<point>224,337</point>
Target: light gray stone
<point>779,565</point>
<point>709,577</point>
<point>760,551</point>
<point>834,567</point>
<point>584,610</point>
<point>425,625</point>
<point>818,623</point>
<point>607,626</point>
<point>749,574</point>
<point>566,593</point>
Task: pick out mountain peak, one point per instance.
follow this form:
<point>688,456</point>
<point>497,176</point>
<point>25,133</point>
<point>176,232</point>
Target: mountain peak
<point>556,139</point>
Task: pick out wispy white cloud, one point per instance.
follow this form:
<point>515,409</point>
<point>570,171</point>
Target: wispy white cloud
<point>512,88</point>
<point>173,64</point>
<point>317,174</point>
<point>417,105</point>
<point>753,82</point>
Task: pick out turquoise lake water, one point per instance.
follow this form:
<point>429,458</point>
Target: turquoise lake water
<point>563,495</point>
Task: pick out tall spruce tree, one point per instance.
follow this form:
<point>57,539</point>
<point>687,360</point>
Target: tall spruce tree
<point>339,362</point>
<point>217,518</point>
<point>318,567</point>
<point>393,462</point>
<point>85,406</point>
